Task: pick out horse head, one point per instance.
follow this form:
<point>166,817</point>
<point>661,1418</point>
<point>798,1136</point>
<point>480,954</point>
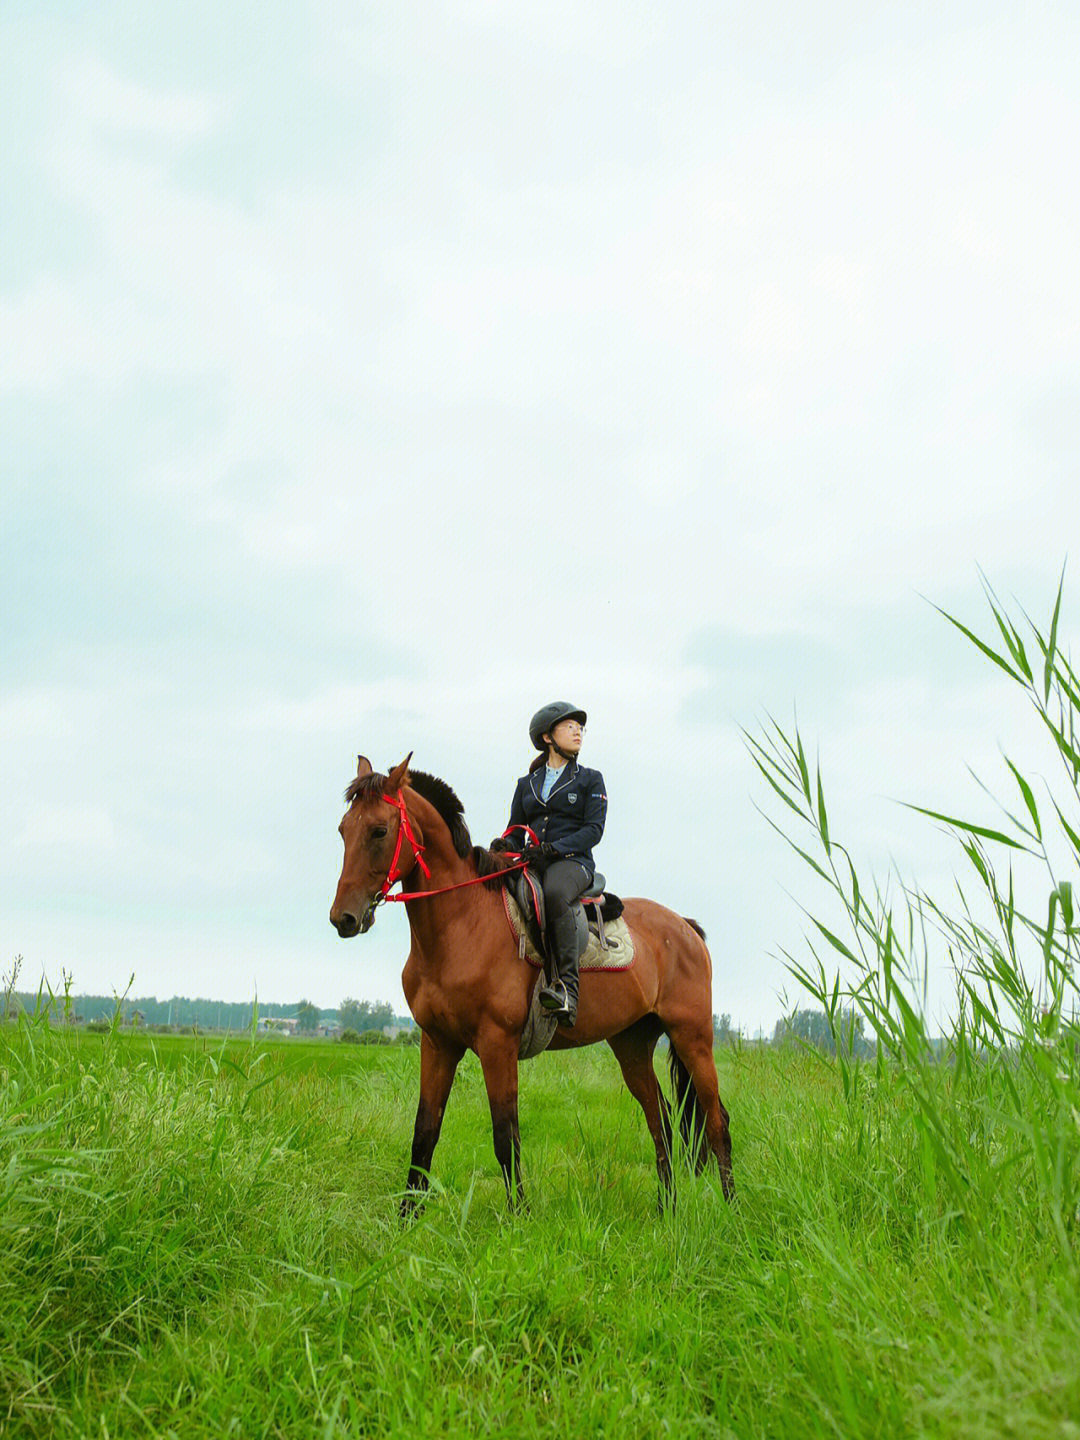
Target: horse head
<point>371,830</point>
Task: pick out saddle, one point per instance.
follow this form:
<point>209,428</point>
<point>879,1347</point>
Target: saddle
<point>523,899</point>
<point>590,910</point>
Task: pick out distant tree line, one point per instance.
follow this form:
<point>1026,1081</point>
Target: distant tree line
<point>179,1011</point>
<point>808,1027</point>
<point>183,1013</point>
<point>361,1015</point>
<point>813,1027</point>
<point>722,1031</point>
<point>803,1027</point>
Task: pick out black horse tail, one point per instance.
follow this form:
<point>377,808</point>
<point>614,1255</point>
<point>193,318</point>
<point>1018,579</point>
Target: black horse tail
<point>689,1110</point>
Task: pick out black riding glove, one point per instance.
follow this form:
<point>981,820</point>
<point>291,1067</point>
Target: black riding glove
<point>501,844</point>
<point>540,856</point>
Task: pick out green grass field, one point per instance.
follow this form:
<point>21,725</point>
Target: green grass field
<point>201,1239</point>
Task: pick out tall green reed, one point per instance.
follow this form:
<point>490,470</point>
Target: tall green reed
<point>992,1106</point>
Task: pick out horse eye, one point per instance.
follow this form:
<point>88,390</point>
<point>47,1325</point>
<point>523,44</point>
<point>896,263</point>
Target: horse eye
<point>378,832</point>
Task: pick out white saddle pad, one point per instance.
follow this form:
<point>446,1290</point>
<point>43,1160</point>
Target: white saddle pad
<point>618,956</point>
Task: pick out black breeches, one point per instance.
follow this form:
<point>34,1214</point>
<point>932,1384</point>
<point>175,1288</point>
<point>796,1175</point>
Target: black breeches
<point>564,881</point>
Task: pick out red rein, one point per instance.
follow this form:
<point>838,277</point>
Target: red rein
<point>405,829</point>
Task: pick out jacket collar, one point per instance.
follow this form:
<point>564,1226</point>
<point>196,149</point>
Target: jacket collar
<point>569,770</point>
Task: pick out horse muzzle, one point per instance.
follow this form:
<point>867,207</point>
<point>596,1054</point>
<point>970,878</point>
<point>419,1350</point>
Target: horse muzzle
<point>348,923</point>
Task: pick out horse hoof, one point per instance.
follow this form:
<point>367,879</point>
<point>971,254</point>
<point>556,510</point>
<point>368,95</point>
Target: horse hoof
<point>410,1208</point>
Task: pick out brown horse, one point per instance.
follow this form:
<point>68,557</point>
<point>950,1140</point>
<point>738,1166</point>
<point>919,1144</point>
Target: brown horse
<point>468,989</point>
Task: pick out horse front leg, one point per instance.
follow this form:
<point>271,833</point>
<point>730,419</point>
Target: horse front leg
<point>438,1065</point>
<point>499,1060</point>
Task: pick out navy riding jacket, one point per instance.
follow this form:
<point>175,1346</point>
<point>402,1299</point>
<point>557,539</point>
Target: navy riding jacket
<point>571,818</point>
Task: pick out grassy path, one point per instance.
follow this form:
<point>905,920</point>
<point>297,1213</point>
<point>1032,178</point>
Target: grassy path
<point>202,1240</point>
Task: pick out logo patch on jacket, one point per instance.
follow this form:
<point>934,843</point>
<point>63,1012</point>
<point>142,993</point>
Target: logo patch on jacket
<point>572,797</point>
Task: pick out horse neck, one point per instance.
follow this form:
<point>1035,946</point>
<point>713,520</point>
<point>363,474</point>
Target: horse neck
<point>445,864</point>
<point>429,917</point>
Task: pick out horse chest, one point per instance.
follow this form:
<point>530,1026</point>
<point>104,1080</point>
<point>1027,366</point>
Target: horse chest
<point>458,1010</point>
<point>435,1007</point>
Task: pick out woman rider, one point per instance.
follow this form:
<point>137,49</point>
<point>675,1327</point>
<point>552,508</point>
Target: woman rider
<point>565,804</point>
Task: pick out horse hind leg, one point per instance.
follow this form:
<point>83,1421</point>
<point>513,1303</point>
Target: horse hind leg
<point>704,1121</point>
<point>633,1049</point>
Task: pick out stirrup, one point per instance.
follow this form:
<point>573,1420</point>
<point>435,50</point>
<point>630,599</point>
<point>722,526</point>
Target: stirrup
<point>554,998</point>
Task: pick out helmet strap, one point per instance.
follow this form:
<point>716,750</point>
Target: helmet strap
<point>553,745</point>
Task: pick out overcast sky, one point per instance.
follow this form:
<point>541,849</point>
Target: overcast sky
<point>371,376</point>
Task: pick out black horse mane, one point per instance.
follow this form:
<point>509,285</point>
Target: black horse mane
<point>440,795</point>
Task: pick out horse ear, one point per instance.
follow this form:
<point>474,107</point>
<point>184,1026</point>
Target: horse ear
<point>363,766</point>
<point>397,776</point>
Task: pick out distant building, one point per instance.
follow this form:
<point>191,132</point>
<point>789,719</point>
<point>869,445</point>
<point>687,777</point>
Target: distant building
<point>279,1024</point>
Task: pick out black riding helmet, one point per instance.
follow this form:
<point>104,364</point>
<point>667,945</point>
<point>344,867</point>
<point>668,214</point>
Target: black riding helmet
<point>545,720</point>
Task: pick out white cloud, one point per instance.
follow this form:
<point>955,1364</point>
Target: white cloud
<point>49,338</point>
<point>106,99</point>
<point>585,335</point>
<point>64,830</point>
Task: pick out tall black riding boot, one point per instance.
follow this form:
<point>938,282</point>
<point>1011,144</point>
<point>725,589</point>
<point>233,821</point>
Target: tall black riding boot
<point>568,978</point>
<point>560,997</point>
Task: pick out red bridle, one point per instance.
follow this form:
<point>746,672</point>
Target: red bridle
<point>393,875</point>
